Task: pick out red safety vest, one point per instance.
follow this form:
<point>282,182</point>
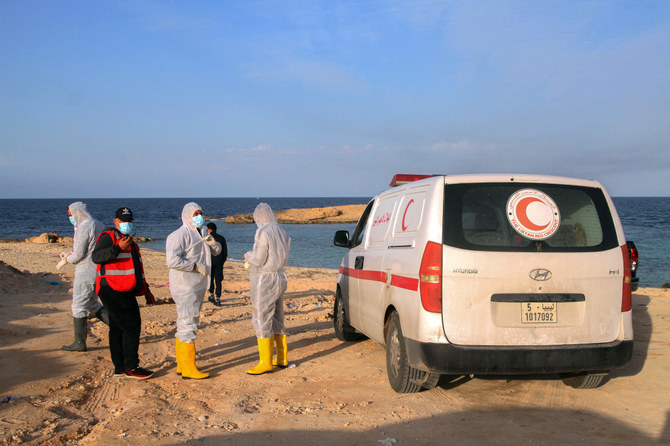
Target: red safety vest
<point>120,271</point>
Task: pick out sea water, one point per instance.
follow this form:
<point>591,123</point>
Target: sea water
<point>646,221</point>
<point>311,245</point>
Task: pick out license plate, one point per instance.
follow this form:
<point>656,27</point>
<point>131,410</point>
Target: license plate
<point>539,312</point>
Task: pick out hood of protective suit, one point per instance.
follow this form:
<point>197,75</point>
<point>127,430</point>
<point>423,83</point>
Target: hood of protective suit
<point>187,214</point>
<point>79,212</point>
<point>263,215</point>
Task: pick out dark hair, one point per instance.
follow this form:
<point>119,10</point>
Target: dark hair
<point>211,226</point>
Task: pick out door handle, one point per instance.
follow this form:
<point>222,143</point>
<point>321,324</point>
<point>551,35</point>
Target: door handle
<point>359,262</point>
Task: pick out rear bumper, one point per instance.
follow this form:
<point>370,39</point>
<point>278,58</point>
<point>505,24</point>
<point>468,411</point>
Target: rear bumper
<point>453,359</point>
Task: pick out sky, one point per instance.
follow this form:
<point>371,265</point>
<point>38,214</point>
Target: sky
<point>113,99</point>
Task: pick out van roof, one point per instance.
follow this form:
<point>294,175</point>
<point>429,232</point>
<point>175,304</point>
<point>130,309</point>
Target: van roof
<point>401,179</point>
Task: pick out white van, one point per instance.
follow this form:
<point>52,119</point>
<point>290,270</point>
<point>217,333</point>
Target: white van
<point>488,274</point>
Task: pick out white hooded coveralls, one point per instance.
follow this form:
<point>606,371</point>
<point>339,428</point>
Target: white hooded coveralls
<point>86,231</point>
<point>266,273</point>
<point>184,249</point>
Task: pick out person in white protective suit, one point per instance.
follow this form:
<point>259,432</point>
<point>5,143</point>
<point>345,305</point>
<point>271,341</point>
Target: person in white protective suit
<point>268,283</point>
<point>84,299</point>
<point>188,254</point>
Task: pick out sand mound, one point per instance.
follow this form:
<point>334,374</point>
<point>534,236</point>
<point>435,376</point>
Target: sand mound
<point>13,281</point>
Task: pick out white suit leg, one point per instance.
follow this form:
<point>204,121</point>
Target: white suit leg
<point>278,317</point>
<point>264,296</point>
<point>188,315</point>
<point>84,299</point>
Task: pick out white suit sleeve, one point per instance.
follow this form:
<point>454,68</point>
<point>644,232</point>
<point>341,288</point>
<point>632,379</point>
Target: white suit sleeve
<point>216,249</point>
<point>174,251</point>
<point>80,244</point>
<point>259,255</point>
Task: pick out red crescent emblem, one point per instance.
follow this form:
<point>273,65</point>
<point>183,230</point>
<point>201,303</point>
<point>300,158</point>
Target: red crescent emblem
<point>404,228</point>
<point>522,214</point>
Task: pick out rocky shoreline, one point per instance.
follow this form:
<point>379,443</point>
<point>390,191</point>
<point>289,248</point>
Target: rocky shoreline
<point>323,215</point>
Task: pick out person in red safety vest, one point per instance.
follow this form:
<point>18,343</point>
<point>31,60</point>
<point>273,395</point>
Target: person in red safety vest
<point>120,277</point>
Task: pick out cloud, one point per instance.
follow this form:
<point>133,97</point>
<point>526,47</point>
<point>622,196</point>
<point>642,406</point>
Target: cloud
<point>164,16</point>
<point>315,73</point>
<point>465,146</point>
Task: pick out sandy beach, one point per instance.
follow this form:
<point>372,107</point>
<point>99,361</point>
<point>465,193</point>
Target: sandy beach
<point>334,393</point>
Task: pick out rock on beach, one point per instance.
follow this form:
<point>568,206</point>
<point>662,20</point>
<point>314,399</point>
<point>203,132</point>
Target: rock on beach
<point>323,215</point>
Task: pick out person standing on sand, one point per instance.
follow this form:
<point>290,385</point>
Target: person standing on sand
<point>268,283</point>
<point>120,277</point>
<point>217,266</point>
<point>84,300</point>
<point>188,252</point>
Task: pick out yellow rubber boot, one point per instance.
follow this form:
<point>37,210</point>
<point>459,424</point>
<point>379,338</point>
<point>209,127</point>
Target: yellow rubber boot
<point>265,356</point>
<point>187,362</point>
<point>177,347</point>
<point>280,345</point>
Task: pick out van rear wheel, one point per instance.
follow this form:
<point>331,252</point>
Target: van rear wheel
<point>403,377</point>
<point>343,331</point>
<point>583,380</point>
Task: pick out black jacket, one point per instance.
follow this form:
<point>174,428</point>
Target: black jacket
<point>221,258</point>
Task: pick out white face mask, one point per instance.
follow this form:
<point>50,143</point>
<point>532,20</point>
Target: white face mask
<point>198,221</point>
<point>125,228</point>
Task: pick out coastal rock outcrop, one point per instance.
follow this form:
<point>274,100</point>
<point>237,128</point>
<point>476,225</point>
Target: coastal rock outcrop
<point>46,237</point>
<point>323,215</point>
<point>50,237</point>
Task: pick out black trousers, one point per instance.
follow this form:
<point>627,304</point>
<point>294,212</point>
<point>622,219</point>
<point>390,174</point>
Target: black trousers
<point>125,324</point>
<point>215,280</point>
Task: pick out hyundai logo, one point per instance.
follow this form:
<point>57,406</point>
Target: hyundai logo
<point>540,274</point>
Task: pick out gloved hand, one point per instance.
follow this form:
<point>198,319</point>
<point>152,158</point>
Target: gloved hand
<point>209,239</point>
<point>61,263</point>
<point>200,268</point>
<point>149,297</point>
<point>65,254</point>
<point>246,265</point>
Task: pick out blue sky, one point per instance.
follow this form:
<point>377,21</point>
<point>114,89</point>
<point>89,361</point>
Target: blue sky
<point>328,98</point>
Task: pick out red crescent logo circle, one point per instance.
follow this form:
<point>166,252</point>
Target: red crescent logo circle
<point>522,213</point>
<point>404,227</point>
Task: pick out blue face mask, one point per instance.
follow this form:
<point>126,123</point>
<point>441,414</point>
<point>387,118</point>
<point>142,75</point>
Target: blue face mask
<point>71,219</point>
<point>125,228</point>
<point>198,221</point>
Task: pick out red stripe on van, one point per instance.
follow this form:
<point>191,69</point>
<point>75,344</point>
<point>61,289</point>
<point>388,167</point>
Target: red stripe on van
<point>378,276</point>
<point>405,282</point>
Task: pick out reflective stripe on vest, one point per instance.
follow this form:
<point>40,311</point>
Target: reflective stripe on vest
<point>119,272</point>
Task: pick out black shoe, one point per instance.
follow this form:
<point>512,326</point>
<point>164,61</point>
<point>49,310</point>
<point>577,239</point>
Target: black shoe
<point>119,373</point>
<point>139,373</point>
<point>217,301</point>
<point>211,299</point>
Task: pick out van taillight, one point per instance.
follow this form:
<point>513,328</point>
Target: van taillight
<point>634,258</point>
<point>430,278</point>
<point>626,298</point>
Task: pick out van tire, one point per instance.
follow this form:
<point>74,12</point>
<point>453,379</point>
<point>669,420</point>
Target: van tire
<point>402,377</point>
<point>583,380</point>
<point>343,331</point>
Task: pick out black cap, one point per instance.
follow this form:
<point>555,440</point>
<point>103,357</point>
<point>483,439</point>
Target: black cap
<point>211,226</point>
<point>124,214</point>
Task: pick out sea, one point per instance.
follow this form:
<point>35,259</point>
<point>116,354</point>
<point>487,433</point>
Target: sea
<point>646,221</point>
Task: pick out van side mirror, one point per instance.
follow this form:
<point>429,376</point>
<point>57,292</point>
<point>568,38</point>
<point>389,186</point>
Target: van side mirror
<point>341,239</point>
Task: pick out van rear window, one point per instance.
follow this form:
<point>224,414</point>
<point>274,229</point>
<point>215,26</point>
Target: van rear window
<point>527,217</point>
